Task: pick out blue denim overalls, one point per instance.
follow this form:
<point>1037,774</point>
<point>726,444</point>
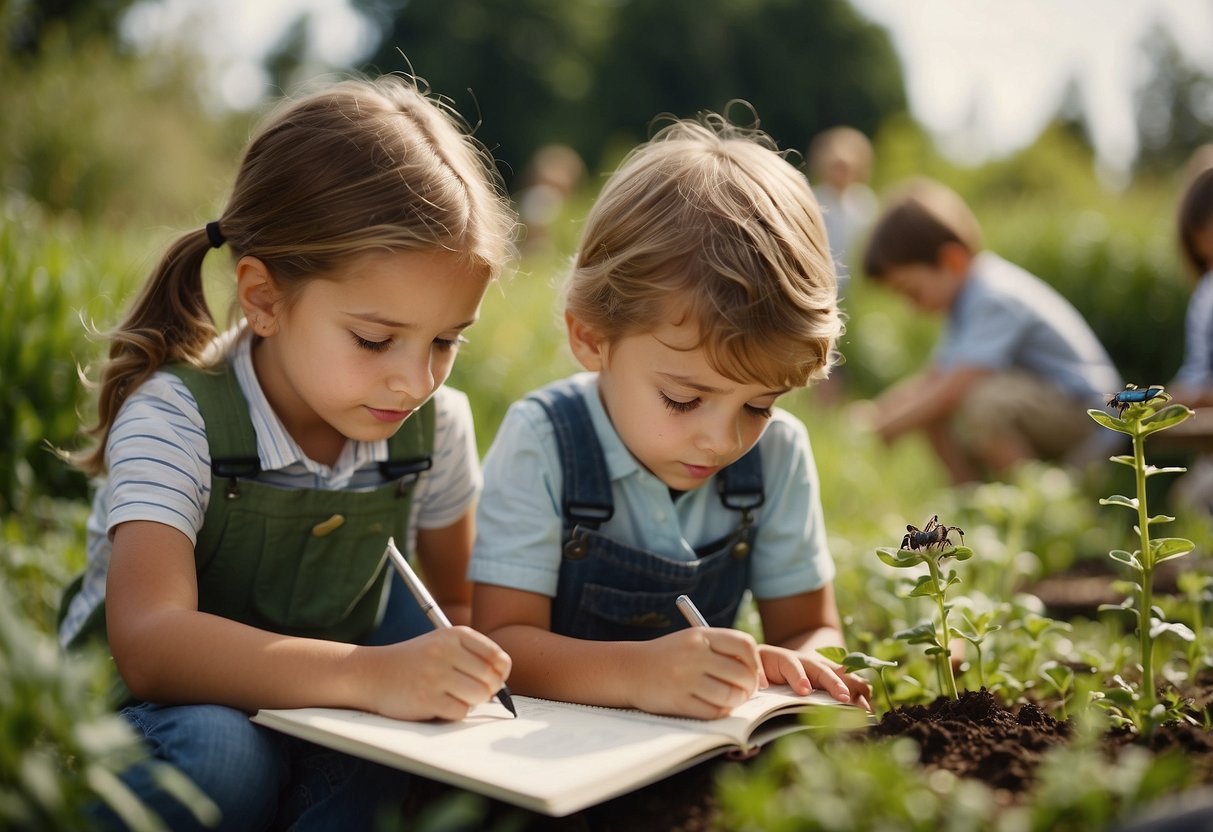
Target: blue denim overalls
<point>608,591</point>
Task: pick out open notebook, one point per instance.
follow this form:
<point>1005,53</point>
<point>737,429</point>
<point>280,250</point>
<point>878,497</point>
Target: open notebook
<point>557,757</point>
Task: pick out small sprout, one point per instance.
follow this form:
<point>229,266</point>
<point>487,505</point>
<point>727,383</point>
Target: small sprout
<point>1061,677</point>
<point>855,661</point>
<point>930,545</point>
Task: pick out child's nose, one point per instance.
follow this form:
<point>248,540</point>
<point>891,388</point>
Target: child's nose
<point>413,375</point>
<point>721,437</point>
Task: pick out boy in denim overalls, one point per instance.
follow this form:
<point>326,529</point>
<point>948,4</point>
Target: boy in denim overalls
<point>702,291</point>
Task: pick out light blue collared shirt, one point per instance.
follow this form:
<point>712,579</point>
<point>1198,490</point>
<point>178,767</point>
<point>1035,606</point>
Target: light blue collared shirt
<point>1006,317</point>
<point>518,535</point>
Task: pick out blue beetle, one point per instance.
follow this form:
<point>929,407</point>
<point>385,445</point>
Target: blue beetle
<point>1132,394</point>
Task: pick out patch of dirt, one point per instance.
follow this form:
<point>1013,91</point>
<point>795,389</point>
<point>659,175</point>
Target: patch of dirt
<point>974,736</point>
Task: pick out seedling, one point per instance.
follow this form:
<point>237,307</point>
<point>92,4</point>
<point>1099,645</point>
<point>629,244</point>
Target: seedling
<point>931,545</point>
<point>855,660</point>
<point>978,626</point>
<point>1140,414</point>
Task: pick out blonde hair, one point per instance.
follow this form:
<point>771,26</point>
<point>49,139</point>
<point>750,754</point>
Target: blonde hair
<point>919,218</point>
<point>355,166</point>
<point>709,218</point>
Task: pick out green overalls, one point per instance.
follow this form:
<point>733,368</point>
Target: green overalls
<point>300,562</point>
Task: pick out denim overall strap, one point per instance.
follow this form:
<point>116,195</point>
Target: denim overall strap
<point>610,591</point>
<point>586,499</point>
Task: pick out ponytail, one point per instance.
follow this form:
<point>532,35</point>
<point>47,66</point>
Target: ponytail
<point>169,322</point>
<point>353,167</point>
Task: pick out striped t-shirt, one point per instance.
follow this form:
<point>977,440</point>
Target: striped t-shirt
<point>159,468</point>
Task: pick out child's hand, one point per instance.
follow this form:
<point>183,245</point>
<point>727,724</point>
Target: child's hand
<point>440,675</point>
<point>703,672</point>
<point>805,673</point>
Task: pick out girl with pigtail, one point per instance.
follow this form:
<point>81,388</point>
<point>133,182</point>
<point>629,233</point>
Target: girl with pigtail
<point>253,477</point>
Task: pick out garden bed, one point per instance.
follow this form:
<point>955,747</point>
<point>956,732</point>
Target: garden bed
<point>974,737</point>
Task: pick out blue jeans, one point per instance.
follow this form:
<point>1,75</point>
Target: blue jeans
<point>261,779</point>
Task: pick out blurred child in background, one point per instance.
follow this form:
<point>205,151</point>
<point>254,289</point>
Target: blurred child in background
<point>840,165</point>
<point>702,291</point>
<point>1193,384</point>
<point>1016,367</point>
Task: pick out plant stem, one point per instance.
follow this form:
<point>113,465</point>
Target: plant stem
<point>945,657</point>
<point>1146,596</point>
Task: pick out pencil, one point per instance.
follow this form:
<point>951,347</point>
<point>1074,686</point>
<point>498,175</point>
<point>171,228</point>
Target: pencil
<point>430,607</point>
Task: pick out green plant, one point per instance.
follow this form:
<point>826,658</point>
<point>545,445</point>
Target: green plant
<point>61,749</point>
<point>931,550</point>
<point>855,660</point>
<point>1143,412</point>
<point>978,625</point>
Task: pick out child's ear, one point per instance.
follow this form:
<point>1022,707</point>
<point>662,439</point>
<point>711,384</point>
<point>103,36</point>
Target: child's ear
<point>589,348</point>
<point>955,259</point>
<point>258,294</point>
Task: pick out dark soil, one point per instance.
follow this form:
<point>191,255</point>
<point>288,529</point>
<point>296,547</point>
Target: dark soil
<point>975,737</point>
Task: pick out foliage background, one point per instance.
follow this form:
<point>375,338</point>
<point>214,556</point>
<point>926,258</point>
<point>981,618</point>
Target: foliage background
<point>107,153</point>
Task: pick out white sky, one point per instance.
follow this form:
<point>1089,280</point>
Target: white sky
<point>984,76</point>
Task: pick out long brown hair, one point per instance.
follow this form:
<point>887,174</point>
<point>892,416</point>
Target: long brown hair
<point>357,165</point>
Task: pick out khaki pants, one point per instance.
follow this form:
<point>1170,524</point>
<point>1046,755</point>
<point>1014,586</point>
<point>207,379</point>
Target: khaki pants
<point>1017,406</point>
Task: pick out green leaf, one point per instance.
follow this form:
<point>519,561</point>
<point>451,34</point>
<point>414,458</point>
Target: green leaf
<point>1184,632</point>
<point>1110,422</point>
<point>923,633</point>
<point>1124,459</point>
<point>854,660</point>
<point>899,558</point>
<point>1119,500</point>
<point>1174,469</point>
<point>925,587</point>
<point>1127,558</point>
<point>834,654</point>
<point>958,552</point>
<point>1165,548</point>
<point>1168,417</point>
<point>1159,518</point>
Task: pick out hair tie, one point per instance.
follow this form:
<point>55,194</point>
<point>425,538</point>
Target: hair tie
<point>215,235</point>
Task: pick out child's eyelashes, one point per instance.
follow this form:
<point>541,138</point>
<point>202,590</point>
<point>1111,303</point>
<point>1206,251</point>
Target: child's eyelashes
<point>373,346</point>
<point>440,344</point>
<point>448,344</point>
<point>677,406</point>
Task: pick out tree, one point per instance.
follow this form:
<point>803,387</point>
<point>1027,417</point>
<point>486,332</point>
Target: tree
<point>1174,107</point>
<point>594,73</point>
